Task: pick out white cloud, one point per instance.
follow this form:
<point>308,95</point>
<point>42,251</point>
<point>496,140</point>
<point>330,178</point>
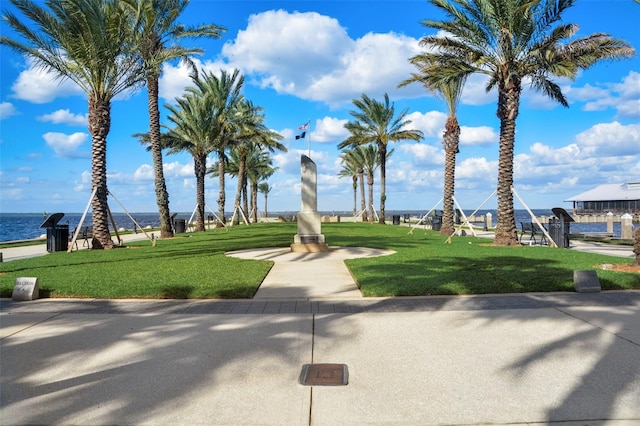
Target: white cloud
<point>64,116</point>
<point>610,139</point>
<point>84,184</point>
<point>475,91</point>
<point>329,129</point>
<point>430,123</point>
<point>67,145</point>
<point>7,110</point>
<point>475,172</point>
<point>39,86</point>
<point>482,135</point>
<point>423,154</point>
<point>144,172</point>
<point>311,56</point>
<point>624,97</point>
<point>177,169</point>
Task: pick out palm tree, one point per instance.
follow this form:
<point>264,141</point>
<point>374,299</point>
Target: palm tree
<point>375,122</point>
<point>194,130</point>
<point>511,41</point>
<point>370,163</point>
<point>259,168</point>
<point>250,138</point>
<point>204,122</point>
<point>264,188</point>
<point>227,90</point>
<point>350,169</point>
<point>355,156</point>
<point>450,91</point>
<point>89,43</point>
<point>158,42</point>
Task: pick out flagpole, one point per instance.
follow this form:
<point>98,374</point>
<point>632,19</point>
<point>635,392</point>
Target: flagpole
<point>309,138</point>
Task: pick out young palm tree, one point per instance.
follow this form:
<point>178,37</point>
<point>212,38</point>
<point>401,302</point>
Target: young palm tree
<point>250,138</point>
<point>158,39</point>
<point>350,170</point>
<point>450,91</point>
<point>512,41</point>
<point>90,43</point>
<point>355,156</point>
<point>375,122</point>
<point>265,189</point>
<point>370,163</point>
<point>259,168</point>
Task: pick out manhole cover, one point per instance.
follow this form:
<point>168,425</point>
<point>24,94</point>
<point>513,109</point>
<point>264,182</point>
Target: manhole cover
<point>324,375</point>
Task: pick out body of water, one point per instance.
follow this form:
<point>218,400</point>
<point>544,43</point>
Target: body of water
<point>25,226</point>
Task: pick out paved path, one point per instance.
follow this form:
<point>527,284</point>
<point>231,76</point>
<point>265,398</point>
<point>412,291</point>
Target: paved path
<point>568,358</point>
<point>306,275</point>
<point>536,358</point>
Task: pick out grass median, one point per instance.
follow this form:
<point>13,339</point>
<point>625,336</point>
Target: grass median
<point>195,266</point>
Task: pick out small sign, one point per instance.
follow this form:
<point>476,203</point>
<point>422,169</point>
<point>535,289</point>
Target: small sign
<point>26,288</point>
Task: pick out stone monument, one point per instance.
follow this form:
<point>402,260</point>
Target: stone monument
<point>309,238</point>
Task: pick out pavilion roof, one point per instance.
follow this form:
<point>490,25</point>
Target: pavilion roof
<point>610,192</point>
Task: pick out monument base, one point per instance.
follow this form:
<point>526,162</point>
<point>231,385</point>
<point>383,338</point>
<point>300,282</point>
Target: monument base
<point>309,247</point>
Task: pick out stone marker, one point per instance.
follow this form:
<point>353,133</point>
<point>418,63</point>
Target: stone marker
<point>26,288</point>
<point>309,238</point>
<point>586,281</point>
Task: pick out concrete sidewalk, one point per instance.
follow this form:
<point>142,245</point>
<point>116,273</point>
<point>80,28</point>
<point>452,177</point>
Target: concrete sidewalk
<point>308,275</point>
<point>172,362</point>
<point>491,359</point>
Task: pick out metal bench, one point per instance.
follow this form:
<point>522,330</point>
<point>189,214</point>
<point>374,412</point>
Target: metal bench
<point>86,234</point>
<point>532,229</point>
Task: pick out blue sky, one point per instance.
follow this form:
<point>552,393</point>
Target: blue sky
<point>306,60</point>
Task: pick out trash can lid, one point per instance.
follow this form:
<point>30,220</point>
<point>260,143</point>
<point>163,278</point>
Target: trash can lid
<point>52,220</point>
<point>562,214</point>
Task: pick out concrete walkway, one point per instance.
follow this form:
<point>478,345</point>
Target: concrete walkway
<point>308,275</point>
<point>540,358</point>
<point>567,358</point>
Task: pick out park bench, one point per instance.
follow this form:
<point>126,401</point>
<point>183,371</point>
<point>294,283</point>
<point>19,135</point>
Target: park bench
<point>532,229</point>
<point>86,234</point>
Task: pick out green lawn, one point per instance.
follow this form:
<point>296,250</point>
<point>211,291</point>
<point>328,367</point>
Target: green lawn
<point>194,265</point>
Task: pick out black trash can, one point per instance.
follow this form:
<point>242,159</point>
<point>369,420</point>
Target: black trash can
<point>180,226</point>
<point>436,223</point>
<point>396,219</point>
<point>57,235</point>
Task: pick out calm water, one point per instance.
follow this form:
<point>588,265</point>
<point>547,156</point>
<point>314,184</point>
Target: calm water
<point>24,226</point>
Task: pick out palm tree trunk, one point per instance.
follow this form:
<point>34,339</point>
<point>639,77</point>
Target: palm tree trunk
<point>266,211</point>
<point>254,202</point>
<point>245,198</point>
<point>363,198</point>
<point>162,196</point>
<point>370,185</point>
<point>355,195</point>
<point>451,140</point>
<point>221,194</point>
<point>200,166</point>
<point>382,152</point>
<point>99,126</point>
<point>508,104</point>
<point>240,188</point>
